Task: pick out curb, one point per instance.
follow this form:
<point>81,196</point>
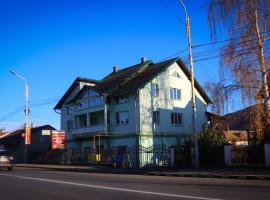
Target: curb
<point>168,174</point>
<point>202,175</point>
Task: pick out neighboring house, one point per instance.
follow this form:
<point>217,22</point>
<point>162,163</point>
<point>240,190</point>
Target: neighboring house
<point>143,105</point>
<point>40,144</point>
<point>236,126</point>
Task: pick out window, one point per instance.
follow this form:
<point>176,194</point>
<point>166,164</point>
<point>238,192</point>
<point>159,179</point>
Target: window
<point>81,121</point>
<point>69,125</point>
<point>82,104</point>
<point>96,118</point>
<point>176,119</point>
<point>156,117</point>
<point>175,94</point>
<point>121,99</point>
<point>70,110</point>
<point>155,90</point>
<point>122,118</point>
<point>95,102</point>
<point>176,75</point>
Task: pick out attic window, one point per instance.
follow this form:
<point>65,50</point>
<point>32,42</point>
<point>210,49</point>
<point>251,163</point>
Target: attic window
<point>121,99</point>
<point>176,75</point>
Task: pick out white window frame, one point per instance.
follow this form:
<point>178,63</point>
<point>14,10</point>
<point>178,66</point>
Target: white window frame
<point>175,93</point>
<point>155,90</point>
<point>156,117</point>
<point>122,118</point>
<point>176,119</point>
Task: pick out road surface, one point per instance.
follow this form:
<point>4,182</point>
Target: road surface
<point>28,184</point>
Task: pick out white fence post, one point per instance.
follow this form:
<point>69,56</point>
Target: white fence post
<point>267,154</point>
<point>228,155</point>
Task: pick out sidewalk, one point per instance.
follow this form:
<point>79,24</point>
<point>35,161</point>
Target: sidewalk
<point>225,173</point>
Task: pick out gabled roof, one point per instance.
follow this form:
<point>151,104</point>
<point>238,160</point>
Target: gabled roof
<point>142,77</point>
<point>115,79</point>
<point>130,79</point>
<point>71,88</point>
<point>20,131</point>
<point>151,71</point>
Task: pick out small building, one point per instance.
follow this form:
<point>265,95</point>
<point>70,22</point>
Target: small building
<point>40,143</point>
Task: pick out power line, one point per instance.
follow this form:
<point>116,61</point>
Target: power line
<point>173,55</point>
<point>226,40</point>
<point>19,109</point>
<point>163,2</point>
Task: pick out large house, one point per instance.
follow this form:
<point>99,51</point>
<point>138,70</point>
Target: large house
<point>144,105</point>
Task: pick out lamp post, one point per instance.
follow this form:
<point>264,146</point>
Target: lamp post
<point>196,149</point>
<point>27,132</point>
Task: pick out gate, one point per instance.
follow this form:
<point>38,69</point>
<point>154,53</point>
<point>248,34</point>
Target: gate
<point>156,155</point>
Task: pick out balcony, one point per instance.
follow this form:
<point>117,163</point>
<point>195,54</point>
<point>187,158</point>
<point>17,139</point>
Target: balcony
<point>86,131</point>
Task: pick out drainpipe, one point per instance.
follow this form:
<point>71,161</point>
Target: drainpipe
<point>137,124</point>
<point>105,116</point>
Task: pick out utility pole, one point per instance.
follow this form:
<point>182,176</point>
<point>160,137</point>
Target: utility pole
<point>196,149</point>
<point>27,130</point>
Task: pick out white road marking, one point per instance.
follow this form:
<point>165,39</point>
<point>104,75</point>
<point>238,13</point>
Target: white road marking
<point>110,188</point>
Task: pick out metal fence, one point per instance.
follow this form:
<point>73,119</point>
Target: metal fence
<point>243,155</point>
<point>135,156</point>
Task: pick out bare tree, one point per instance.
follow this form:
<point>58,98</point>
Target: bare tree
<point>243,58</point>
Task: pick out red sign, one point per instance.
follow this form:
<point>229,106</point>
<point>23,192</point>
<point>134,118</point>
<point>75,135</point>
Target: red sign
<point>58,140</point>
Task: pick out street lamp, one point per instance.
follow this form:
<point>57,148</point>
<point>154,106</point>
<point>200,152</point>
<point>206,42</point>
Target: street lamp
<point>196,149</point>
<point>27,131</point>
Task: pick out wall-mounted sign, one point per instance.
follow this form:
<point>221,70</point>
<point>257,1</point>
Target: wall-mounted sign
<point>58,140</point>
<point>28,135</point>
<point>46,132</point>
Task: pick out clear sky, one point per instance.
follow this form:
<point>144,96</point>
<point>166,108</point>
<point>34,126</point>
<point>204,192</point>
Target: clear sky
<point>51,42</point>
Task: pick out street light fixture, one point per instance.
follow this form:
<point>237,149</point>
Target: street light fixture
<point>27,131</point>
<point>196,148</point>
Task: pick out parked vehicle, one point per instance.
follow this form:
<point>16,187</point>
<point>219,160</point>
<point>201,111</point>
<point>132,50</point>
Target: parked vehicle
<point>6,160</point>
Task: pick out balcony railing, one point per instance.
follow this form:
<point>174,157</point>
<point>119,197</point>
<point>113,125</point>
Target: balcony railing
<point>89,129</point>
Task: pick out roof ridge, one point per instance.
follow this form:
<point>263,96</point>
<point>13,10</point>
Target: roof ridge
<point>144,66</point>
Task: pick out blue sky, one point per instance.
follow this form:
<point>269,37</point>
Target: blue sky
<point>51,42</point>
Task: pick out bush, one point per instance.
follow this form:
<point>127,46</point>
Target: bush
<point>211,147</point>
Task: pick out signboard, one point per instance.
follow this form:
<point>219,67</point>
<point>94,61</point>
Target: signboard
<point>28,135</point>
<point>58,140</point>
<point>46,132</point>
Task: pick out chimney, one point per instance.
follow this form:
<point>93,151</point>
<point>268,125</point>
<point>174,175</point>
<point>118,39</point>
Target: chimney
<point>143,60</point>
<point>115,69</point>
<point>33,125</point>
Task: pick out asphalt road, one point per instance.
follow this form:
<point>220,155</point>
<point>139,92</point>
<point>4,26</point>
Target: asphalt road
<point>28,184</point>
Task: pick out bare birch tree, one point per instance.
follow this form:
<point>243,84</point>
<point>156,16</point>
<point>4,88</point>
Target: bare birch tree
<point>243,58</point>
